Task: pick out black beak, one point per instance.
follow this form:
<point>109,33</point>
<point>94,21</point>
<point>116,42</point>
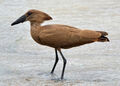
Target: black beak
<point>20,20</point>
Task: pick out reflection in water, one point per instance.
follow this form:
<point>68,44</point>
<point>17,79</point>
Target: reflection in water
<point>24,61</point>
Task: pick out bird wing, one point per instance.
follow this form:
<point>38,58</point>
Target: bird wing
<point>62,36</point>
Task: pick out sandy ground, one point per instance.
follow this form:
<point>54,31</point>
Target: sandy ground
<point>25,63</point>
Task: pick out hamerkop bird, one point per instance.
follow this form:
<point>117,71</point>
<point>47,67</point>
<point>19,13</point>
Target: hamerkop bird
<point>58,36</point>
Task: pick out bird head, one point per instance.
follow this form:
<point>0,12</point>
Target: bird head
<point>33,16</point>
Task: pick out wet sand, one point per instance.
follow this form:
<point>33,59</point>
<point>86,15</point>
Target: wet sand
<point>25,63</point>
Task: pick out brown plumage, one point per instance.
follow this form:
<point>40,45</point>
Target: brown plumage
<point>59,36</point>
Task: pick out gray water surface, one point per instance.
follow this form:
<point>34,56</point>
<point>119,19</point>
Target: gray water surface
<point>25,63</point>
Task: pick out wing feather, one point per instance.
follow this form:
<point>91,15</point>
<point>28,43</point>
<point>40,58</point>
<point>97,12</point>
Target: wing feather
<point>62,36</point>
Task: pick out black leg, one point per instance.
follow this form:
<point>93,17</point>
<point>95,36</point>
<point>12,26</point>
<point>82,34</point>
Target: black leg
<point>64,64</point>
<point>56,61</point>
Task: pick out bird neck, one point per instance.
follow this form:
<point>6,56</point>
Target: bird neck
<point>35,23</point>
<point>35,29</point>
<point>35,26</point>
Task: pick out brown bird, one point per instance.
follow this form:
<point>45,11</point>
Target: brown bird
<point>58,36</point>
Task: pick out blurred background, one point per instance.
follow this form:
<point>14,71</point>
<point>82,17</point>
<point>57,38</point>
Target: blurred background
<point>25,63</point>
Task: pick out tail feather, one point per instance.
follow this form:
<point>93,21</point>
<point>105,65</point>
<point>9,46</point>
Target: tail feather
<point>103,33</point>
<point>103,38</point>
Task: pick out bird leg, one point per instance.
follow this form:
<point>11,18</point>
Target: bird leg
<point>56,61</point>
<point>64,64</point>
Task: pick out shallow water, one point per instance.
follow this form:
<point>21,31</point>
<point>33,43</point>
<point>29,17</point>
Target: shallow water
<point>25,63</point>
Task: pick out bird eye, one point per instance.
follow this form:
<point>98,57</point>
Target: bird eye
<point>29,13</point>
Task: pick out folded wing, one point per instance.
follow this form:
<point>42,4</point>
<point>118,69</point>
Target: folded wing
<point>62,36</point>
